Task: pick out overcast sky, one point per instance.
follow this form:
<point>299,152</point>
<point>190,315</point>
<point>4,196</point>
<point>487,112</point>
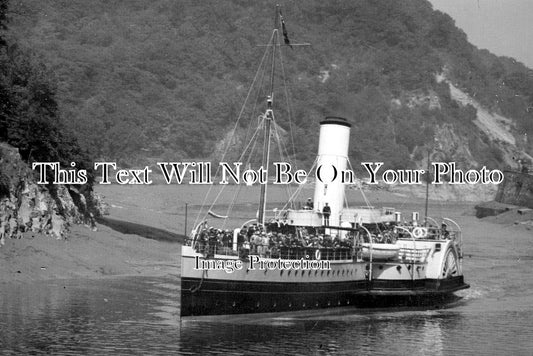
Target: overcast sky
<point>504,27</point>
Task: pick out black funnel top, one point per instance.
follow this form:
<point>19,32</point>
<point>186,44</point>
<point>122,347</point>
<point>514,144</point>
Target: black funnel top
<point>334,120</point>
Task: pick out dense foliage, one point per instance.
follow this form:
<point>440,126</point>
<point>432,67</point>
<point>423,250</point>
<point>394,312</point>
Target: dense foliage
<point>29,114</point>
<point>164,79</point>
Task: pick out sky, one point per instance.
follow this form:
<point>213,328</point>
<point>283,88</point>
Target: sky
<point>504,27</point>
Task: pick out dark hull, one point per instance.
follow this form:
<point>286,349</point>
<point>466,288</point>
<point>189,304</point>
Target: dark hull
<point>216,297</point>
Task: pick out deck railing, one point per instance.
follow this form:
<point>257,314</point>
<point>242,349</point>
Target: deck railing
<point>284,252</point>
<point>411,255</point>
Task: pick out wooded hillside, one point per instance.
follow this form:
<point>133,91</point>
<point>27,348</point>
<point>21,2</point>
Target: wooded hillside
<point>141,80</point>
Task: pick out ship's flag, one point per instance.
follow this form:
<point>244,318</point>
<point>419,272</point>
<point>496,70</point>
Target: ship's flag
<point>284,30</point>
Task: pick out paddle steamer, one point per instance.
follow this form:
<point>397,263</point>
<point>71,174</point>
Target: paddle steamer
<point>292,258</point>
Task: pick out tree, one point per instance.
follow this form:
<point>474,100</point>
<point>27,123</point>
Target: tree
<point>3,21</point>
<point>29,114</point>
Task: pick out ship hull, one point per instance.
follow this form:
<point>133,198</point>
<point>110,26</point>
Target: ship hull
<point>216,297</point>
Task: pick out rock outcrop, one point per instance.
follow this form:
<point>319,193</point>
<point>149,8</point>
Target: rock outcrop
<point>26,206</point>
<point>516,189</point>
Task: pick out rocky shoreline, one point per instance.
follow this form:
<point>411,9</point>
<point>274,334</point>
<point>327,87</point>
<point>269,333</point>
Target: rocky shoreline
<point>50,232</point>
<point>27,207</point>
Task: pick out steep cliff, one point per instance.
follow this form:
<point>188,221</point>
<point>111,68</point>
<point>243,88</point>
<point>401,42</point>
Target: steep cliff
<point>26,206</point>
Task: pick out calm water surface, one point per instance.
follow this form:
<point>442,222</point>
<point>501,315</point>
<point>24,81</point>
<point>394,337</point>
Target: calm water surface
<point>140,315</point>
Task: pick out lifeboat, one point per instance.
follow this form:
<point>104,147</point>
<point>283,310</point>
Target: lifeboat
<point>380,252</point>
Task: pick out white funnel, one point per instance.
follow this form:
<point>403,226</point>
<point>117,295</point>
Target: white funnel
<point>332,157</point>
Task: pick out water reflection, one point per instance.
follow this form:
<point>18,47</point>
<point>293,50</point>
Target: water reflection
<point>108,316</point>
<point>141,316</point>
<point>358,332</point>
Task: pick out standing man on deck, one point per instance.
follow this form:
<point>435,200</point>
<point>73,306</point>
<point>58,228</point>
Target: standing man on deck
<point>326,212</point>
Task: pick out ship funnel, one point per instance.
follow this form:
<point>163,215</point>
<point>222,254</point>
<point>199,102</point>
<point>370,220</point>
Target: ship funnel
<point>331,162</point>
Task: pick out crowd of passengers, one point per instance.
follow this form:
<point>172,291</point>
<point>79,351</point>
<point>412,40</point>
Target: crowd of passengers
<point>255,240</point>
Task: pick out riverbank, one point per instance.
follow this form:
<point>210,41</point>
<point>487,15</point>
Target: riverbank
<point>86,254</point>
<point>142,237</point>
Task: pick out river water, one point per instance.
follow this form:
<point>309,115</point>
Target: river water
<point>140,315</point>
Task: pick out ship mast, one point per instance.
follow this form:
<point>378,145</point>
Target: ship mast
<point>268,117</point>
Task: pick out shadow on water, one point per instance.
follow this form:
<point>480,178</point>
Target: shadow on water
<point>357,331</point>
<point>148,232</point>
<point>140,315</point>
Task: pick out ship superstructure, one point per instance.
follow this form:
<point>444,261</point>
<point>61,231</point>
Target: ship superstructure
<point>323,254</point>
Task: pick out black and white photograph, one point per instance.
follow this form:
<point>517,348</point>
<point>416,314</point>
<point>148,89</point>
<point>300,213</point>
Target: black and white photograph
<point>202,177</point>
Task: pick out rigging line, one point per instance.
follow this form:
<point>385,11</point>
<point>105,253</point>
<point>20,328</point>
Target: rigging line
<point>240,158</point>
<point>288,157</point>
<point>281,153</point>
<point>290,201</point>
<point>254,140</point>
<point>283,149</point>
<point>235,127</point>
<point>346,201</point>
<point>260,127</point>
<point>313,166</point>
<point>255,103</point>
<point>279,142</point>
<point>235,196</point>
<point>287,99</point>
<point>367,202</point>
<point>300,187</point>
<point>244,105</point>
<point>273,64</point>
